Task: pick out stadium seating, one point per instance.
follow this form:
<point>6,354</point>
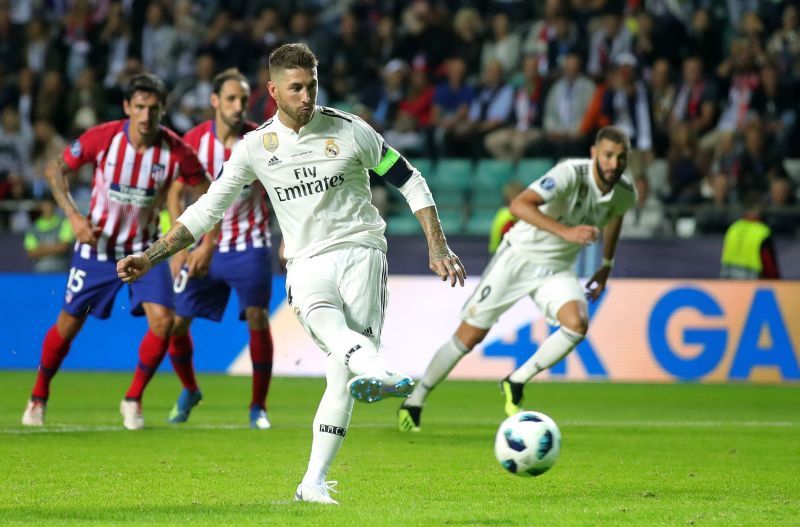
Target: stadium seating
<point>529,170</point>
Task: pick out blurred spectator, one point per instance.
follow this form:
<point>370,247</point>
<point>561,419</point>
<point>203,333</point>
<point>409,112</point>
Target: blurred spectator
<point>76,37</point>
<point>609,40</point>
<point>468,39</point>
<point>382,45</point>
<point>187,103</point>
<point>563,38</point>
<point>651,43</point>
<point>26,96</point>
<point>782,214</point>
<point>225,43</point>
<point>490,109</point>
<point>646,220</point>
<point>115,91</point>
<point>752,31</point>
<point>49,239</point>
<point>262,105</point>
<point>188,35</point>
<point>662,94</point>
<point>348,54</point>
<point>39,53</point>
<point>302,29</point>
<point>515,141</point>
<point>423,36</point>
<point>159,44</point>
<point>703,39</point>
<point>504,220</point>
<point>11,52</point>
<point>416,108</point>
<point>683,172</point>
<point>626,105</point>
<point>451,101</point>
<point>16,144</point>
<point>752,164</point>
<point>695,102</point>
<point>777,109</point>
<point>47,145</point>
<point>748,252</point>
<point>784,44</point>
<point>564,109</point>
<point>85,103</point>
<point>502,46</point>
<point>384,100</point>
<point>739,77</point>
<point>114,44</point>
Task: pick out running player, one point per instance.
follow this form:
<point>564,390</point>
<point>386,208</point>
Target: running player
<point>559,213</point>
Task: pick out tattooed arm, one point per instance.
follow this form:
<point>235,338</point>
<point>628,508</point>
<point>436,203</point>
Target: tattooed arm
<point>443,261</point>
<point>133,267</point>
<point>56,175</point>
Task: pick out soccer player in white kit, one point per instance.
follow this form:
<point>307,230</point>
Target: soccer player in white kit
<point>560,213</point>
<point>314,162</point>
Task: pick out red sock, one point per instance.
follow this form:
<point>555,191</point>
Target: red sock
<point>54,349</point>
<point>151,353</point>
<point>180,354</point>
<point>261,355</point>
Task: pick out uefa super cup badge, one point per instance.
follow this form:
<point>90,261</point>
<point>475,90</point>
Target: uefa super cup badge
<point>270,141</point>
<point>331,148</point>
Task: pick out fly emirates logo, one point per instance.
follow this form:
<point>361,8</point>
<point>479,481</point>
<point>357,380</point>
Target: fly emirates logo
<point>308,184</point>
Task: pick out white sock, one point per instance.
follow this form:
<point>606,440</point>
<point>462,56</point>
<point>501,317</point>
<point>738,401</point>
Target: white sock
<point>350,348</point>
<point>443,362</point>
<point>552,350</point>
<point>330,423</point>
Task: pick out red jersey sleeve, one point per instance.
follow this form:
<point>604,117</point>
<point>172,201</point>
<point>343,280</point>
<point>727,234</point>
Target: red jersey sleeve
<point>90,144</point>
<point>191,170</point>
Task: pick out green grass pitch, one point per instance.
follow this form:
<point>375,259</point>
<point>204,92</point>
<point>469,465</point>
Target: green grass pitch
<point>631,455</point>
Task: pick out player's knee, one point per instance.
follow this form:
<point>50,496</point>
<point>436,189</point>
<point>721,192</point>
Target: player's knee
<point>257,317</point>
<point>180,326</point>
<point>162,324</point>
<point>577,324</point>
<point>469,336</point>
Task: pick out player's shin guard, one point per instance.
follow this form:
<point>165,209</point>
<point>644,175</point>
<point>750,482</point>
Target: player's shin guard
<point>552,350</point>
<point>151,353</point>
<point>54,349</point>
<point>442,363</point>
<point>329,428</point>
<point>261,353</point>
<point>181,351</point>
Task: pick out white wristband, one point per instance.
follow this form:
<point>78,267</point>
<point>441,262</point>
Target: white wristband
<point>608,262</point>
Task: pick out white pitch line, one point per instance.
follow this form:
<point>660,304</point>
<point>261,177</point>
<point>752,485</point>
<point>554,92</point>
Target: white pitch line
<point>69,429</point>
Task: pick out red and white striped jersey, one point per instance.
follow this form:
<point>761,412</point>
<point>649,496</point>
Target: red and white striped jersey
<point>129,188</point>
<point>246,222</point>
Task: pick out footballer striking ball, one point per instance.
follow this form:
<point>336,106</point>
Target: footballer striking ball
<point>527,444</point>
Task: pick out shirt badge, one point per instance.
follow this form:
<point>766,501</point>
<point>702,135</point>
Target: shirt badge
<point>75,148</point>
<point>331,148</point>
<point>270,141</point>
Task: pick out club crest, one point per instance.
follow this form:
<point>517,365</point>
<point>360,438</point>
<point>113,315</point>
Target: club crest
<point>331,148</point>
<point>270,141</point>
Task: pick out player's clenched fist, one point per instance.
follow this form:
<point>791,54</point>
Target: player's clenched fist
<point>583,234</point>
<point>133,267</point>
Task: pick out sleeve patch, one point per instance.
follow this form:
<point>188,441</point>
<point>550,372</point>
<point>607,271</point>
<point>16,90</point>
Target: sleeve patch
<point>75,148</point>
<point>547,183</point>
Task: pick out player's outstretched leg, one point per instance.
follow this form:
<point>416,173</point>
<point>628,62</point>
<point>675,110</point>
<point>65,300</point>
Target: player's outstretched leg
<point>181,351</point>
<point>151,353</point>
<point>373,380</point>
<point>329,429</point>
<point>410,413</point>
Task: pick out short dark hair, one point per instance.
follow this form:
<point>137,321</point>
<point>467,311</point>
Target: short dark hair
<point>148,83</point>
<point>613,134</point>
<point>230,74</point>
<point>292,56</point>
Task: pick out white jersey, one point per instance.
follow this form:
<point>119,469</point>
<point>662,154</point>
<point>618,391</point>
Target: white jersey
<point>317,181</point>
<point>572,198</point>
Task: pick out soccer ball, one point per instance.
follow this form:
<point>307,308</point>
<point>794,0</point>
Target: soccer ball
<point>527,444</point>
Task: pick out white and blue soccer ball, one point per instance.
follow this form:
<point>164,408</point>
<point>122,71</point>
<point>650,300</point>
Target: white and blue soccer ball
<point>527,444</point>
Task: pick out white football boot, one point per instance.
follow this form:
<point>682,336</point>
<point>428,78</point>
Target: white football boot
<point>319,493</point>
<point>34,413</point>
<point>370,388</point>
<point>131,411</point>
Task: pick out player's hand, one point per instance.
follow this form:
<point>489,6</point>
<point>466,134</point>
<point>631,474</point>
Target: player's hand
<point>447,265</point>
<point>133,267</point>
<point>582,234</point>
<point>597,283</point>
<point>83,229</point>
<point>177,261</point>
<point>199,260</point>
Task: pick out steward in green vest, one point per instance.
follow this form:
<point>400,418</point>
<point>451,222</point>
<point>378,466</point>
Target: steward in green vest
<point>748,252</point>
<point>49,240</point>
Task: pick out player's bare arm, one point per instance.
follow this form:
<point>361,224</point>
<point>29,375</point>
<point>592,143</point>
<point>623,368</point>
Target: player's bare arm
<point>526,207</point>
<point>176,204</point>
<point>443,261</point>
<point>199,260</point>
<point>597,283</point>
<point>56,175</point>
<point>133,267</point>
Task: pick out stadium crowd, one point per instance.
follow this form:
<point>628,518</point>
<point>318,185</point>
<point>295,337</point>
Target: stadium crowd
<point>703,87</point>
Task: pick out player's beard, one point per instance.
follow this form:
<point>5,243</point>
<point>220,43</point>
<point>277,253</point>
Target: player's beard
<point>614,174</point>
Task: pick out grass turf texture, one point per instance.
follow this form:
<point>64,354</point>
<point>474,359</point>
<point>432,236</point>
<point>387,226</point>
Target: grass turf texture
<point>631,455</point>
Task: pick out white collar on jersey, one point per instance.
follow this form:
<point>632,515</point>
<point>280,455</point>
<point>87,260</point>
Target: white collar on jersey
<point>309,126</point>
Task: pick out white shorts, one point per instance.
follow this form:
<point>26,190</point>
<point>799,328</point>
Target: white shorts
<point>509,277</point>
<point>351,278</point>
